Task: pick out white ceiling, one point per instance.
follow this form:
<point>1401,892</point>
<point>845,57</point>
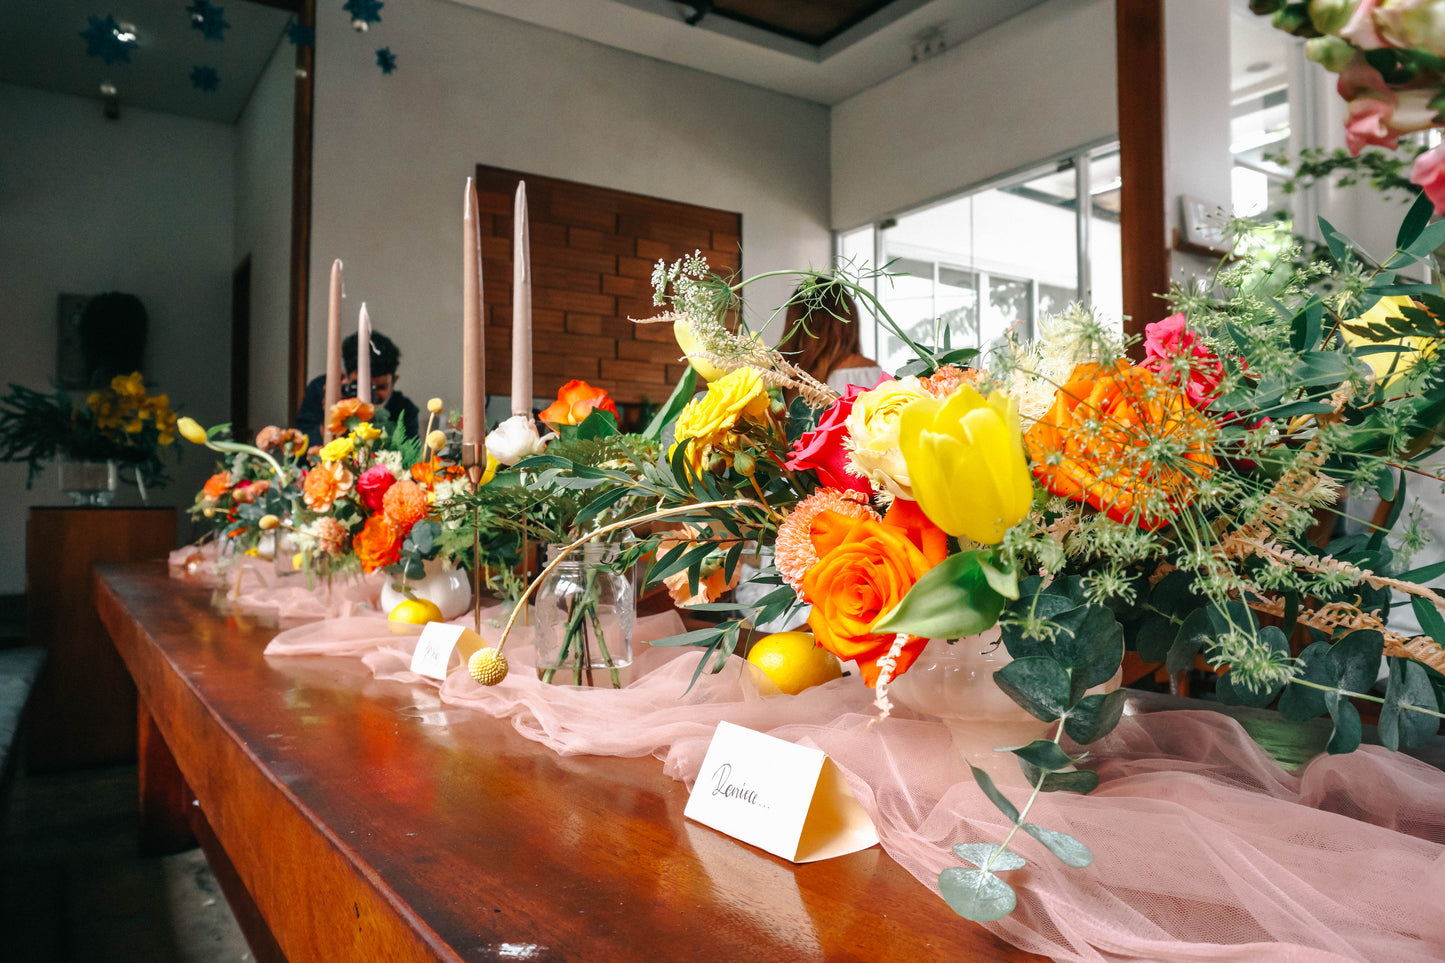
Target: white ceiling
<point>871,52</point>
<point>41,46</point>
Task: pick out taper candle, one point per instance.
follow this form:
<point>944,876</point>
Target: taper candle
<point>363,356</point>
<point>334,373</point>
<point>474,348</point>
<point>521,306</point>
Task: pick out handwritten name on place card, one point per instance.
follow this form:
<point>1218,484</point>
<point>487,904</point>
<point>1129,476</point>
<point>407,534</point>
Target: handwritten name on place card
<point>435,647</point>
<point>789,800</point>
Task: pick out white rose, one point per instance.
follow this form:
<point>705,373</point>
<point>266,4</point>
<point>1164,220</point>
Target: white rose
<point>515,439</point>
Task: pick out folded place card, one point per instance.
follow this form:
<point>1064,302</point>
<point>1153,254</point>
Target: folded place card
<point>438,642</point>
<point>789,800</point>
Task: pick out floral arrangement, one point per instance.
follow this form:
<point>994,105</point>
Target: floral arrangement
<point>1181,503</point>
<point>1390,58</point>
<point>120,423</point>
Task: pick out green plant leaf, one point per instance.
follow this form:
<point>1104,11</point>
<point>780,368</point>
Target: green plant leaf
<point>670,409</point>
<point>1415,220</point>
<point>1337,242</point>
<point>1189,640</point>
<point>980,854</point>
<point>1081,781</point>
<point>1044,754</point>
<point>1095,716</point>
<point>1430,239</point>
<point>1068,849</point>
<point>1347,731</point>
<point>985,782</point>
<point>1038,683</point>
<point>1431,621</point>
<point>1092,650</point>
<point>598,424</point>
<point>953,600</point>
<point>1153,635</point>
<point>1301,703</point>
<point>976,895</point>
<point>1409,686</point>
<point>1355,660</point>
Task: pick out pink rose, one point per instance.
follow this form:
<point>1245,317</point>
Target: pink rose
<point>822,450</point>
<point>372,486</point>
<point>1170,339</point>
<point>1429,173</point>
<point>1367,122</point>
<point>1360,28</point>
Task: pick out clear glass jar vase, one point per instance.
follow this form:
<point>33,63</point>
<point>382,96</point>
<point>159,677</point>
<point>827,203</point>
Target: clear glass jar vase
<point>585,616</point>
<point>90,484</point>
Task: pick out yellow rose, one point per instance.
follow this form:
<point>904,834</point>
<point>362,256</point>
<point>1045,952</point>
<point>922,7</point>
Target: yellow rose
<point>1389,366</point>
<point>967,444</point>
<point>706,422</point>
<point>873,428</point>
<point>366,432</point>
<point>337,449</point>
<point>191,430</point>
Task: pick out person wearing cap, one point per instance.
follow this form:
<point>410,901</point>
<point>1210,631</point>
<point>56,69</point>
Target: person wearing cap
<point>385,359</point>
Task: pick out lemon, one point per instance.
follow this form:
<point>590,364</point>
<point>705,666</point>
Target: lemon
<point>794,661</point>
<point>416,612</point>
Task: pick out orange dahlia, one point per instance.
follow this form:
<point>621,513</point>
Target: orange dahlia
<point>405,504</point>
<point>347,408</point>
<point>378,544</point>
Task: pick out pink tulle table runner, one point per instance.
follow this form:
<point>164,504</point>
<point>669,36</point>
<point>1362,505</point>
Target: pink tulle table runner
<point>1204,848</point>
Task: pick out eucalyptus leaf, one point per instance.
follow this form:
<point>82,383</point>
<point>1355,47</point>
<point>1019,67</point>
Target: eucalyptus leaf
<point>976,895</point>
<point>1038,683</point>
<point>1347,731</point>
<point>1082,781</point>
<point>1409,686</point>
<point>1153,636</point>
<point>1068,849</point>
<point>1095,716</point>
<point>1044,754</point>
<point>1189,640</point>
<point>985,782</point>
<point>996,858</point>
<point>1092,647</point>
<point>1355,660</point>
<point>1301,703</point>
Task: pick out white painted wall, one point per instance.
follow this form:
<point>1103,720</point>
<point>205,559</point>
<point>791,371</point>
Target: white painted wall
<point>263,230</point>
<point>392,154</point>
<point>142,205</point>
<point>1039,85</point>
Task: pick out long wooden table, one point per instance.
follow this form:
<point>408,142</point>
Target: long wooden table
<point>356,819</point>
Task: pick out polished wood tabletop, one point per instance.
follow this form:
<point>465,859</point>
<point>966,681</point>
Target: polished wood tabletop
<point>366,821</point>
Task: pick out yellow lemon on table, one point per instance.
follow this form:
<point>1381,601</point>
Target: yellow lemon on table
<point>416,612</point>
<point>794,661</point>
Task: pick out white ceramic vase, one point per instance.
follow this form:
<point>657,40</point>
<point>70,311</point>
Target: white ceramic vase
<point>445,586</point>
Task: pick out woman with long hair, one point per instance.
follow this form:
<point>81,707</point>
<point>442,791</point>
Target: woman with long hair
<point>821,337</point>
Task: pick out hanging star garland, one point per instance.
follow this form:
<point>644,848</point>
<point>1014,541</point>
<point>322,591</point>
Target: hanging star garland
<point>386,60</point>
<point>205,78</point>
<point>103,40</point>
<point>301,35</point>
<point>363,12</point>
<point>209,19</point>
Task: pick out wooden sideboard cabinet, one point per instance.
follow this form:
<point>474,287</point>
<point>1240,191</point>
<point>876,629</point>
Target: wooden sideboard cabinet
<point>83,711</point>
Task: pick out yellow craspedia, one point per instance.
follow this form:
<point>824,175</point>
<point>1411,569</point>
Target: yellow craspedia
<point>794,661</point>
<point>434,406</point>
<point>268,522</point>
<point>437,440</point>
<point>337,449</point>
<point>191,430</point>
<point>487,666</point>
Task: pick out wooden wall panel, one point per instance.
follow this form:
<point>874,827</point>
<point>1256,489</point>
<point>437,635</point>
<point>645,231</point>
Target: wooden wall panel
<point>593,251</point>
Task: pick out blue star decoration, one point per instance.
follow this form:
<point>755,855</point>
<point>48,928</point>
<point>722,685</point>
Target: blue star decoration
<point>386,60</point>
<point>209,19</point>
<point>205,78</point>
<point>301,35</point>
<point>103,39</point>
<point>363,12</point>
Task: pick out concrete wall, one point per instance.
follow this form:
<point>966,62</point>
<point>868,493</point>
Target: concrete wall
<point>142,204</point>
<point>393,153</point>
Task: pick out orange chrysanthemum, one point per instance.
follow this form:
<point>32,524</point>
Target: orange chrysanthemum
<point>332,536</point>
<point>378,544</point>
<point>405,504</point>
<point>1120,439</point>
<point>324,484</point>
<point>433,470</point>
<point>348,408</point>
<point>795,551</point>
<point>216,486</point>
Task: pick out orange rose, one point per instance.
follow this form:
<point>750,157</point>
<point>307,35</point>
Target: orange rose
<point>324,484</point>
<point>1123,441</point>
<point>216,486</point>
<point>404,505</point>
<point>865,567</point>
<point>378,544</point>
<point>348,408</point>
<point>575,401</point>
<point>433,470</point>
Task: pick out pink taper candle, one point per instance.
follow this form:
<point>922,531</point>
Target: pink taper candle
<point>521,306</point>
<point>333,342</point>
<point>474,347</point>
<point>363,356</point>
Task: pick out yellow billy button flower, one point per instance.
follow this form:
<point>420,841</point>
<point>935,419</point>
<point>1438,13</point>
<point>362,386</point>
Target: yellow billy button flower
<point>337,449</point>
<point>434,406</point>
<point>191,431</point>
<point>966,463</point>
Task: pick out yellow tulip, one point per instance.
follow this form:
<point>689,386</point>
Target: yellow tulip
<point>191,430</point>
<point>688,342</point>
<point>966,463</point>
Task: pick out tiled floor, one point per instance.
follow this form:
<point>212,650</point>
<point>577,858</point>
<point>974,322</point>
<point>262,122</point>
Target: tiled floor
<point>73,889</point>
